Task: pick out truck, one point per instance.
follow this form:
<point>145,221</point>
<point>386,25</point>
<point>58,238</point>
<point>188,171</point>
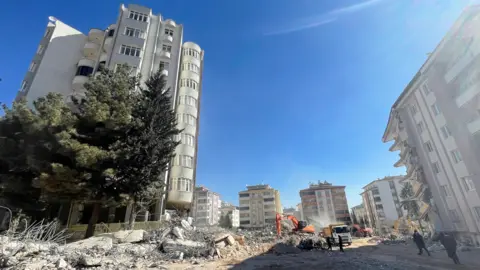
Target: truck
<point>335,230</point>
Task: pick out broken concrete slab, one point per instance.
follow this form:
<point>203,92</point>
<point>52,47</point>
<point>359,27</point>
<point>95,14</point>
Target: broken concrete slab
<point>186,225</point>
<point>170,245</point>
<point>178,232</point>
<point>102,243</point>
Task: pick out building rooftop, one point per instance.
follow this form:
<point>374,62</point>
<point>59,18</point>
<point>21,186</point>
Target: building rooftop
<point>257,187</point>
<point>386,178</point>
<point>321,185</point>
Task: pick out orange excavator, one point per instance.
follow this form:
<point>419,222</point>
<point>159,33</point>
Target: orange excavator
<point>298,226</point>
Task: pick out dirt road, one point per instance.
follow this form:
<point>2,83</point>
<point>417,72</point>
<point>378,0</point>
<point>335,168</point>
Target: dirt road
<point>361,255</point>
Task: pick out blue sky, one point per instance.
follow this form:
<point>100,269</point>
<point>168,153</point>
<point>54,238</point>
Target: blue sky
<point>293,91</point>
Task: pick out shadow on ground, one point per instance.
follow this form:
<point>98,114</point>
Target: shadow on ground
<point>371,256</point>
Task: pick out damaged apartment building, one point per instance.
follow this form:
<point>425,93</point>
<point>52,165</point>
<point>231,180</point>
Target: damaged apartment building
<point>147,43</point>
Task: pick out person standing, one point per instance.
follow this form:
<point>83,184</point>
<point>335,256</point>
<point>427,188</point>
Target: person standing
<point>340,243</point>
<point>418,239</point>
<point>450,244</point>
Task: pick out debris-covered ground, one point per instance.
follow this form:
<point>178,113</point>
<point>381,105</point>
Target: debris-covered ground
<point>179,245</point>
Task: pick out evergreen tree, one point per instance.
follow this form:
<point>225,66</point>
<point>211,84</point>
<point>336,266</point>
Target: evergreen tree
<point>150,144</point>
<point>29,149</point>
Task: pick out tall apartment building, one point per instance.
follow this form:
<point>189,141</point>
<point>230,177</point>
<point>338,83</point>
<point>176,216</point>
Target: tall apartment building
<point>65,59</point>
<point>231,212</point>
<point>259,205</point>
<point>206,207</point>
<point>325,203</point>
<point>382,202</point>
<point>435,124</point>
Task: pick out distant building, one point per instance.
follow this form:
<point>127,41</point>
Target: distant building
<point>258,206</point>
<point>381,199</point>
<point>206,207</point>
<point>232,213</point>
<point>359,215</point>
<point>289,211</point>
<point>299,212</point>
<point>325,203</point>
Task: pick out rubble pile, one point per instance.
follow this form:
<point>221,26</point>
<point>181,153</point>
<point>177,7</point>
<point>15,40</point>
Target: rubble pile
<point>178,240</point>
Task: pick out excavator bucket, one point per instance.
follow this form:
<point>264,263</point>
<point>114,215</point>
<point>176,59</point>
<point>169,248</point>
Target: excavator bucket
<point>309,229</point>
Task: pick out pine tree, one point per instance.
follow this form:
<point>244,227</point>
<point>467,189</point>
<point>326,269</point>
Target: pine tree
<point>29,149</point>
<point>150,144</point>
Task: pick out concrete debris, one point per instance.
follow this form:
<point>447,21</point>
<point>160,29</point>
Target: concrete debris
<point>177,240</point>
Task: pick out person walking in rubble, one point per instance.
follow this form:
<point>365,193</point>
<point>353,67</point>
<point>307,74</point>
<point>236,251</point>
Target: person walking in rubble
<point>418,239</point>
<point>329,243</point>
<point>340,243</point>
<point>450,244</point>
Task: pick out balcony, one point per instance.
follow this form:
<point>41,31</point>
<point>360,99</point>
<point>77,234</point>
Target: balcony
<point>170,23</point>
<point>78,82</point>
<point>168,38</point>
<point>468,95</point>
<point>165,54</point>
<point>466,59</point>
<point>90,50</point>
<point>96,35</point>
<point>474,126</point>
<point>180,198</point>
<point>86,62</point>
<point>396,145</point>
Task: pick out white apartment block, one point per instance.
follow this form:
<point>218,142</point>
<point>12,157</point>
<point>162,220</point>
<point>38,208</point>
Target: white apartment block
<point>230,211</point>
<point>324,203</point>
<point>65,59</point>
<point>206,207</point>
<point>382,202</point>
<point>259,206</point>
<point>435,123</point>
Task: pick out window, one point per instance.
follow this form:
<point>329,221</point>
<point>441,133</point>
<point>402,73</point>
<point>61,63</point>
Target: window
<point>425,88</point>
<point>191,52</point>
<point>375,191</point>
<point>167,48</point>
<point>244,195</point>
<point>414,109</point>
<point>182,184</point>
<point>190,67</point>
<point>138,16</point>
<point>132,32</point>
<point>468,183</point>
<point>436,167</point>
<point>377,199</point>
<point>421,127</point>
<point>189,83</point>
<point>111,32</point>
<point>244,222</point>
<point>32,66</point>
<point>129,50</point>
<point>169,32</point>
<point>456,156</point>
<point>188,100</point>
<point>454,216</point>
<point>445,132</point>
<point>184,161</point>
<point>48,32</point>
<point>164,65</point>
<point>244,208</point>
<point>268,199</point>
<point>477,211</point>
<point>84,71</point>
<point>186,139</point>
<point>429,146</point>
<point>40,49</point>
<point>446,191</point>
<point>24,86</point>
<point>133,69</point>
<point>435,109</point>
<point>187,119</point>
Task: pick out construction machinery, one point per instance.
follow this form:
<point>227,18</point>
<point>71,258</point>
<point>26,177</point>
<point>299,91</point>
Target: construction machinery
<point>361,232</point>
<point>298,226</point>
<point>333,231</point>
